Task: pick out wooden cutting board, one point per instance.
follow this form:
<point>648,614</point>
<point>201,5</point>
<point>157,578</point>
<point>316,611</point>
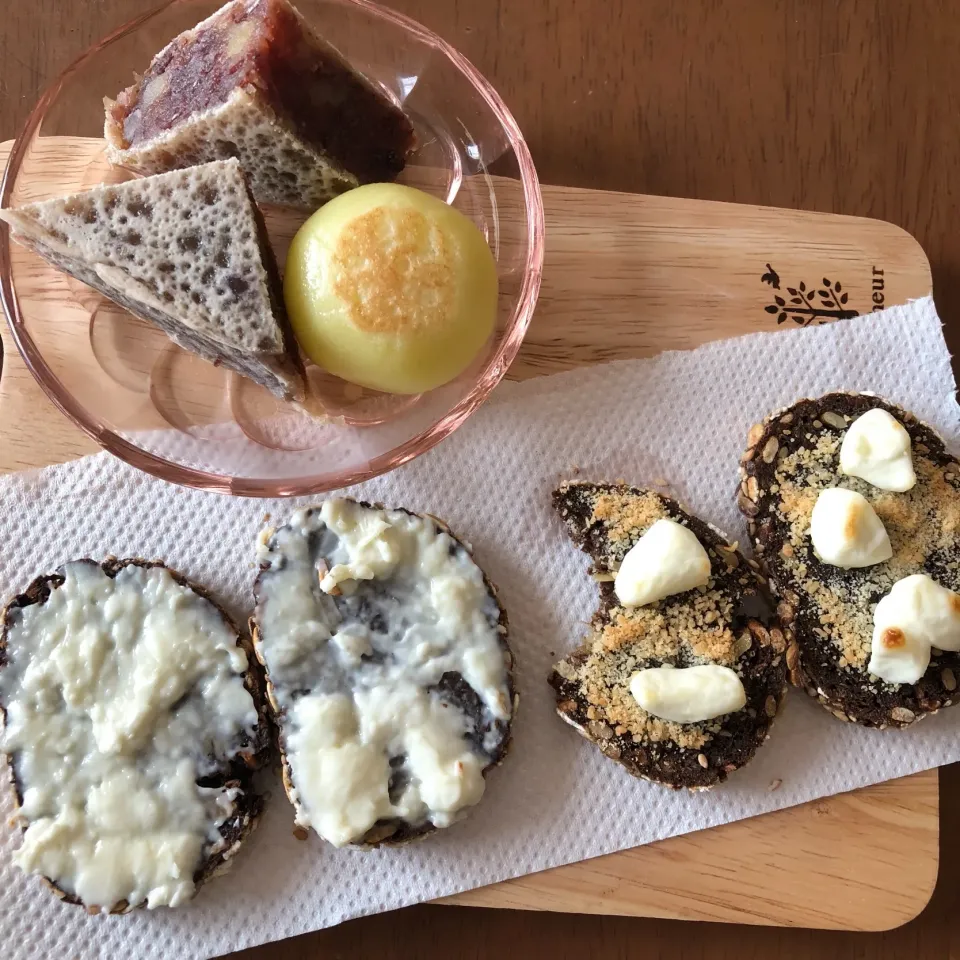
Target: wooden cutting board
<point>631,276</point>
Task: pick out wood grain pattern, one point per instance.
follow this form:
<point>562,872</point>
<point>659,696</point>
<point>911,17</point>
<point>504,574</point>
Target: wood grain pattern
<point>827,864</point>
<point>625,276</point>
<point>848,107</point>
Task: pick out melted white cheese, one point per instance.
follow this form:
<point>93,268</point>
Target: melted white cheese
<point>846,531</point>
<point>668,559</point>
<point>878,449</point>
<point>117,692</point>
<point>688,694</point>
<point>373,546</point>
<point>361,612</point>
<point>916,615</point>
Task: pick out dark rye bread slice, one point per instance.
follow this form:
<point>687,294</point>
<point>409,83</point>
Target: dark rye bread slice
<point>187,251</point>
<point>452,687</point>
<point>236,771</point>
<point>718,624</point>
<point>790,457</point>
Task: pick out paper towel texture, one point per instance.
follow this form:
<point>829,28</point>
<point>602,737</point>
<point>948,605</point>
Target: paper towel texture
<point>679,422</point>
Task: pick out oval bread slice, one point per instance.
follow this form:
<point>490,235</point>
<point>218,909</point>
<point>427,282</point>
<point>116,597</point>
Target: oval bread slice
<point>712,624</point>
<point>78,650</point>
<point>388,670</point>
<point>791,457</point>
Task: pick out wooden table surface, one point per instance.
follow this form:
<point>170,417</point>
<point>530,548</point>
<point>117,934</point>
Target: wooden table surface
<point>850,106</point>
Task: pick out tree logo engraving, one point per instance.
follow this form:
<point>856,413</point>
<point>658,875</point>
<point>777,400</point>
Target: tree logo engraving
<point>805,305</point>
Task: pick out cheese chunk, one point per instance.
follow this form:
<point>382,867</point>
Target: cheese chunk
<point>371,543</point>
<point>688,694</point>
<point>666,560</point>
<point>846,531</point>
<point>877,449</point>
<point>914,616</point>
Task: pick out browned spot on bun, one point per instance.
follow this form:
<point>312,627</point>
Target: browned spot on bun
<point>394,271</point>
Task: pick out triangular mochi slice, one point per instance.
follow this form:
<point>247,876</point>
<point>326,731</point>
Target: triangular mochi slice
<point>186,250</point>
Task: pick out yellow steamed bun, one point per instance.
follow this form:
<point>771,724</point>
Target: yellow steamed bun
<point>390,288</point>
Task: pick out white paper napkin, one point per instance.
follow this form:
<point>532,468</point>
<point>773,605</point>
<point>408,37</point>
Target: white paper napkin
<point>677,421</point>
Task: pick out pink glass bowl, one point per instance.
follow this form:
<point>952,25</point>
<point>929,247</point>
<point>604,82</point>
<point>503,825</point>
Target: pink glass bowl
<point>171,414</point>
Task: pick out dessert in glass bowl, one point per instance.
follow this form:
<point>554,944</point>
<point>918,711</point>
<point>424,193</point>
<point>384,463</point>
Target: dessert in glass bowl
<point>171,413</point>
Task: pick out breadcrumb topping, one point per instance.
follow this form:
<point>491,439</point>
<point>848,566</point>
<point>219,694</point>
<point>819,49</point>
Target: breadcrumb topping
<point>626,517</point>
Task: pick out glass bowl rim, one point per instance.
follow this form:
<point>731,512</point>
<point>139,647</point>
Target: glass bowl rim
<point>493,372</point>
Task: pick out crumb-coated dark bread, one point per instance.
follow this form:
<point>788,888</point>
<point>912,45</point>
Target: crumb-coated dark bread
<point>711,625</point>
<point>452,688</point>
<point>790,458</point>
<point>238,772</point>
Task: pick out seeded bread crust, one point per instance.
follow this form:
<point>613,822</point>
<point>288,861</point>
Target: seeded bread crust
<point>396,832</point>
<point>238,772</point>
<point>711,625</point>
<point>790,457</point>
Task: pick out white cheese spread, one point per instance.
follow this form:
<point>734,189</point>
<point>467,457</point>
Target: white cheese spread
<point>365,619</point>
<point>119,694</point>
